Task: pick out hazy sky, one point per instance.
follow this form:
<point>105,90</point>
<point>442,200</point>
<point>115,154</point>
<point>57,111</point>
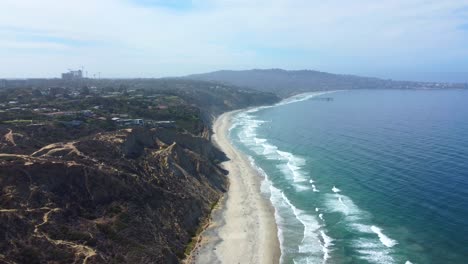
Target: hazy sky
<point>154,38</point>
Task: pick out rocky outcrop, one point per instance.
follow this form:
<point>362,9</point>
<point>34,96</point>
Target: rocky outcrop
<point>131,196</point>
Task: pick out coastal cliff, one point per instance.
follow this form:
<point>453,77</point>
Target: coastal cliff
<point>133,196</point>
<point>124,172</point>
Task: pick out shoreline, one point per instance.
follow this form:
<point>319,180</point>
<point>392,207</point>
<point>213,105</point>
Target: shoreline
<point>242,228</point>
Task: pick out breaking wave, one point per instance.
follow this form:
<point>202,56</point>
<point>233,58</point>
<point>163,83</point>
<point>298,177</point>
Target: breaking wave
<point>314,245</point>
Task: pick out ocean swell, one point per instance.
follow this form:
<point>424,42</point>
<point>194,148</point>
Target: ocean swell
<point>314,245</point>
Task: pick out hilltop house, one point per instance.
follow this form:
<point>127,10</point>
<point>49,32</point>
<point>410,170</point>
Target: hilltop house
<point>128,122</point>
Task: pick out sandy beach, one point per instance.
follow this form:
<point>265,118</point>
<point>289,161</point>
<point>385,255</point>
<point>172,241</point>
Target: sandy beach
<point>243,228</point>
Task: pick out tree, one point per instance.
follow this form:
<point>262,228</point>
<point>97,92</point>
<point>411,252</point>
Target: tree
<point>85,90</point>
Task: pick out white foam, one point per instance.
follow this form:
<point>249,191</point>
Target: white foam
<point>335,190</point>
<point>362,228</point>
<point>343,204</point>
<point>265,184</point>
<point>233,126</point>
<point>310,225</point>
<point>246,119</point>
<point>408,262</point>
<point>293,165</point>
<point>376,256</point>
<point>341,201</point>
<point>297,161</point>
<point>259,140</point>
<point>275,198</point>
<point>302,97</point>
<point>304,260</point>
<point>297,175</point>
<point>310,243</point>
<point>373,251</point>
<point>313,243</point>
<point>388,242</point>
<point>268,148</point>
<point>327,242</point>
<point>314,188</point>
<point>248,134</point>
<point>300,187</point>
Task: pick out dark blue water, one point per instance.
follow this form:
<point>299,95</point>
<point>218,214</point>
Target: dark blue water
<point>369,177</point>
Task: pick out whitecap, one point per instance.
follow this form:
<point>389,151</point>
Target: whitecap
<point>293,165</point>
<point>314,243</point>
<point>310,225</point>
<point>259,140</point>
<point>297,161</point>
<point>270,151</point>
<point>341,201</point>
<point>343,204</point>
<point>388,242</point>
<point>310,242</point>
<point>327,242</point>
<point>373,252</point>
<point>314,188</point>
<point>335,190</point>
<point>276,200</point>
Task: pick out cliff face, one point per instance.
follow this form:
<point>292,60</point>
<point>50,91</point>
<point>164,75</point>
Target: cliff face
<point>71,191</point>
<point>131,196</point>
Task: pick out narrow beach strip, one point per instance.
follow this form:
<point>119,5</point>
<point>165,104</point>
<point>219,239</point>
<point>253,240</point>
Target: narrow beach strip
<point>243,228</point>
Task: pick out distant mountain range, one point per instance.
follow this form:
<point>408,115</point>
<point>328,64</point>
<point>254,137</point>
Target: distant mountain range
<point>285,83</point>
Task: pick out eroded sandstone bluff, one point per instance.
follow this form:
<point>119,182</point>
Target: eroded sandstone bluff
<point>130,196</point>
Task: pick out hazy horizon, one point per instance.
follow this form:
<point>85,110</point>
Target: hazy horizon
<point>454,77</point>
<point>402,40</point>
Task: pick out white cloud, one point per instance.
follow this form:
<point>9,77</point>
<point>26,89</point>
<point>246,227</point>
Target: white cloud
<point>122,38</point>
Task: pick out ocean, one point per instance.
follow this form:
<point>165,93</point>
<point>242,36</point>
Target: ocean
<point>364,176</point>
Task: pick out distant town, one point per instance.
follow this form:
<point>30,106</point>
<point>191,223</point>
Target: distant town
<point>76,102</point>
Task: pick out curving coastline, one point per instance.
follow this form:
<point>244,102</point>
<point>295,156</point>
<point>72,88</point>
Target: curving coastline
<point>243,227</point>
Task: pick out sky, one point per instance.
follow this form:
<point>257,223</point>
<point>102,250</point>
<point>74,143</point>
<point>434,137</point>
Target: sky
<point>399,39</point>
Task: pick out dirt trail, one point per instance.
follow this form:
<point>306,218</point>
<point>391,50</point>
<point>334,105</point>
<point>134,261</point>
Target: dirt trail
<point>80,250</point>
<point>9,137</point>
<point>49,150</point>
<point>8,210</point>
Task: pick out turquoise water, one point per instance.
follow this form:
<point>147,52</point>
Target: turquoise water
<point>368,177</point>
